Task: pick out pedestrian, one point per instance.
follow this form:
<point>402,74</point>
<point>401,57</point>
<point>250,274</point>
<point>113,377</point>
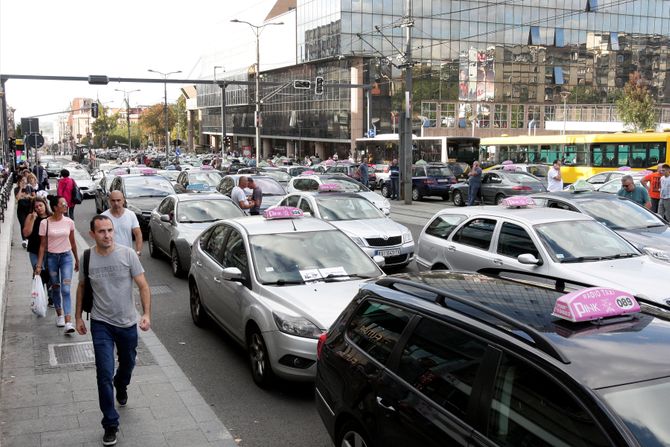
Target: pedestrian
<point>256,196</point>
<point>239,196</point>
<point>126,225</point>
<point>474,182</point>
<point>42,176</point>
<point>394,176</point>
<point>363,173</point>
<point>58,247</point>
<point>24,202</point>
<point>112,268</point>
<point>31,232</point>
<point>554,179</point>
<point>664,201</point>
<point>636,193</point>
<point>64,189</point>
<point>652,182</point>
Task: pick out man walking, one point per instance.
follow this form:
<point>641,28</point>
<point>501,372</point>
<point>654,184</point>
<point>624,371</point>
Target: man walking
<point>653,184</point>
<point>256,196</point>
<point>111,271</point>
<point>664,202</point>
<point>42,176</point>
<point>554,179</point>
<point>239,196</point>
<point>636,193</point>
<point>394,175</point>
<point>474,182</point>
<point>125,222</point>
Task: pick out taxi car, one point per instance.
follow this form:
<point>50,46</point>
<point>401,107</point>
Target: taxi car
<point>431,179</point>
<point>271,189</point>
<point>359,219</point>
<point>179,219</point>
<point>205,178</point>
<point>311,182</point>
<point>463,359</point>
<point>546,241</point>
<point>275,283</point>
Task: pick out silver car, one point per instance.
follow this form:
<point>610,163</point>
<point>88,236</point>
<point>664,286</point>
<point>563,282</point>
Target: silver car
<point>359,219</point>
<point>311,182</point>
<point>547,241</point>
<point>179,219</point>
<point>275,286</point>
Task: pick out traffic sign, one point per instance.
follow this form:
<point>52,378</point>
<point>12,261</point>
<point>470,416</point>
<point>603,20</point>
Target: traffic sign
<point>35,140</point>
<point>372,133</point>
<point>302,84</point>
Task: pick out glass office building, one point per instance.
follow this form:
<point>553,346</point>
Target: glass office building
<point>503,63</point>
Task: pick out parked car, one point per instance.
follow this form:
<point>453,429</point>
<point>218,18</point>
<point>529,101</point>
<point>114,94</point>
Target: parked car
<point>275,285</point>
<point>535,169</point>
<point>53,168</point>
<point>272,190</point>
<point>84,181</point>
<point>432,179</point>
<point>195,180</point>
<point>498,185</point>
<point>462,359</point>
<point>351,170</point>
<point>613,186</point>
<point>311,182</point>
<point>179,219</point>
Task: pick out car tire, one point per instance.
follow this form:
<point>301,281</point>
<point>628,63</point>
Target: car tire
<point>386,193</point>
<point>499,199</point>
<point>445,197</point>
<point>259,359</point>
<point>458,199</point>
<point>198,312</point>
<point>153,250</point>
<point>175,263</point>
<point>351,435</point>
<point>416,194</point>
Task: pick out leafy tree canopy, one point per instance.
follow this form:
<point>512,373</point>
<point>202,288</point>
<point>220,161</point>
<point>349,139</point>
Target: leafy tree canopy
<point>636,107</point>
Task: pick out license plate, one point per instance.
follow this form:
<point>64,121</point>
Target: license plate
<point>444,180</point>
<point>393,252</point>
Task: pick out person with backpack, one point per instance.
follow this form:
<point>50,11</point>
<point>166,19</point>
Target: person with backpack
<point>65,189</point>
<point>42,176</point>
<point>106,287</point>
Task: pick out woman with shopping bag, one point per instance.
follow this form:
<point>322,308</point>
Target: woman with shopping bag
<point>31,232</point>
<point>58,247</point>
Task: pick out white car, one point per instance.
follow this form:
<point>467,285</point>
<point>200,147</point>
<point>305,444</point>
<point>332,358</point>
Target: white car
<point>84,181</point>
<point>311,182</point>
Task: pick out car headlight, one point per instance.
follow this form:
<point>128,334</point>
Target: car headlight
<point>357,240</point>
<point>407,237</point>
<point>656,253</point>
<point>298,326</point>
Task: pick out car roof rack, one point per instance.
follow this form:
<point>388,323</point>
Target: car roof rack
<point>560,284</point>
<point>540,340</point>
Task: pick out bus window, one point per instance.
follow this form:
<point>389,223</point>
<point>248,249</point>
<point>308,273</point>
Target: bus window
<point>521,154</point>
<point>603,155</point>
<point>638,155</point>
<point>574,155</point>
<point>656,154</point>
<point>623,155</point>
<point>505,153</point>
<point>533,154</point>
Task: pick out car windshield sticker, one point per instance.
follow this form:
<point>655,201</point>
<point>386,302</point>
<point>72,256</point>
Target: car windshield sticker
<point>269,269</point>
<point>310,275</point>
<point>334,272</point>
<point>560,255</point>
<point>594,303</point>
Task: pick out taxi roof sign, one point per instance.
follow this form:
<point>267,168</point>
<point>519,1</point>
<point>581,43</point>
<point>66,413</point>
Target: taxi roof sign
<point>148,171</point>
<point>595,303</point>
<point>330,187</point>
<point>283,212</point>
<point>517,202</point>
<point>581,185</point>
<point>198,187</point>
<point>206,167</point>
<point>308,172</point>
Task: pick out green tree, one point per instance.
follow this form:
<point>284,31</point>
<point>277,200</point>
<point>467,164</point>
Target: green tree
<point>636,107</point>
<point>152,123</point>
<point>104,126</point>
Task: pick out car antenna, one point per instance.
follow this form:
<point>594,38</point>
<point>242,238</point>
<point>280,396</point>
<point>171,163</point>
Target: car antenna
<point>294,228</point>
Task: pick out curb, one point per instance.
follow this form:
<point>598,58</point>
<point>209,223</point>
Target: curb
<point>6,229</point>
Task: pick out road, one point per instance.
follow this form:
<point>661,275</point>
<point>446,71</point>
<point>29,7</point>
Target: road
<point>218,367</point>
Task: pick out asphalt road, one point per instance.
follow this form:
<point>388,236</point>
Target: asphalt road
<point>218,367</point>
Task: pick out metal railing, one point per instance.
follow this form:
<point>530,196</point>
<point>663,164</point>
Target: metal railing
<point>5,191</point>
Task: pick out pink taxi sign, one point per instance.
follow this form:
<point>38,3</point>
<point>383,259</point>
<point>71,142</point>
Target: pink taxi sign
<point>332,187</point>
<point>507,162</point>
<point>510,167</point>
<point>148,171</point>
<point>594,303</point>
<point>307,173</point>
<point>282,212</point>
<point>517,202</point>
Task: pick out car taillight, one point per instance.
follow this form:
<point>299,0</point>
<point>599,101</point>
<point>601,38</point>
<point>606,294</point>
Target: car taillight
<point>453,180</point>
<point>320,343</point>
<point>522,188</point>
<point>429,181</point>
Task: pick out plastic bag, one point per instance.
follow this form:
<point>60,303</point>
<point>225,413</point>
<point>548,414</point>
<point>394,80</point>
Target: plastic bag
<point>38,302</point>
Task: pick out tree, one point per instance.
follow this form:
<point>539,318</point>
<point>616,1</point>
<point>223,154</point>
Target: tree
<point>152,123</point>
<point>636,107</point>
<point>104,126</point>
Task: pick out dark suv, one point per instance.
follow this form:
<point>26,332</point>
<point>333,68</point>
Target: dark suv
<point>432,179</point>
<point>463,359</point>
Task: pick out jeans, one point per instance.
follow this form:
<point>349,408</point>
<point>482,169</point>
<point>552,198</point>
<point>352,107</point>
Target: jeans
<point>473,192</point>
<point>664,209</point>
<point>654,205</point>
<point>395,193</point>
<point>105,336</point>
<point>60,267</point>
<point>70,212</point>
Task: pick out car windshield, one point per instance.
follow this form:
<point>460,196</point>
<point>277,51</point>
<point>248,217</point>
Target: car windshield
<point>170,175</point>
<point>347,184</point>
<point>347,208</point>
<point>270,187</point>
<point>198,211</point>
<point>613,186</point>
<point>148,186</point>
<point>211,178</point>
<point>438,171</point>
<point>620,214</point>
<point>582,241</point>
<point>298,257</point>
<point>280,176</point>
<point>642,406</point>
<point>538,170</point>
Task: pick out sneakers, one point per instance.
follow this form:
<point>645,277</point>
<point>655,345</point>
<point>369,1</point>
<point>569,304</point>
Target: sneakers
<point>69,328</point>
<point>24,243</point>
<point>50,303</point>
<point>60,320</point>
<point>122,397</point>
<point>109,438</point>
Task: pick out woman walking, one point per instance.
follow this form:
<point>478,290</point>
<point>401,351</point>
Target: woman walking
<point>57,244</point>
<point>64,189</point>
<point>31,232</point>
<point>24,202</point>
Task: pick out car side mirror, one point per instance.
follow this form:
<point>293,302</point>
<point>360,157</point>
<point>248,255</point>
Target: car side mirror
<point>528,259</point>
<point>232,274</point>
<point>379,260</point>
<point>386,211</point>
<point>166,218</point>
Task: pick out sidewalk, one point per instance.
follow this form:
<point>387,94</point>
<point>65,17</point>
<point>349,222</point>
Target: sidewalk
<point>48,392</point>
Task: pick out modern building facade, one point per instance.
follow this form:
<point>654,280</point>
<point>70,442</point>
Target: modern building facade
<point>480,67</point>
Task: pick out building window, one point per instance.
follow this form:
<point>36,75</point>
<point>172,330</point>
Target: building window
<point>500,116</point>
<point>558,76</point>
<point>517,116</point>
<point>534,36</point>
<point>614,41</point>
<point>559,38</point>
<point>591,5</point>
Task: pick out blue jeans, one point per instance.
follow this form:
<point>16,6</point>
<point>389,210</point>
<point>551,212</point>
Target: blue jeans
<point>60,267</point>
<point>473,192</point>
<point>395,194</point>
<point>105,336</point>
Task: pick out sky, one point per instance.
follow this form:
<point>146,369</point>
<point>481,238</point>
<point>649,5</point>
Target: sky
<point>124,38</point>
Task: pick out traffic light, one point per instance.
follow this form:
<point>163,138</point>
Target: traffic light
<point>94,110</point>
<point>318,87</point>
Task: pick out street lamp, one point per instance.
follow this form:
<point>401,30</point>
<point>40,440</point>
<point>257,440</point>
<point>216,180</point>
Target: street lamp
<point>564,95</point>
<point>126,94</point>
<point>165,108</point>
<point>257,29</point>
<point>223,112</point>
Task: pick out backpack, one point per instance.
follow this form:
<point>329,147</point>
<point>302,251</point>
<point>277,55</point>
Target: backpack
<point>87,300</point>
<point>77,196</point>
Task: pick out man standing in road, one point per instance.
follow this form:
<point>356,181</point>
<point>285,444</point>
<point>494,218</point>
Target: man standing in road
<point>239,196</point>
<point>394,175</point>
<point>653,184</point>
<point>474,182</point>
<point>256,196</point>
<point>125,222</point>
<point>664,202</point>
<point>363,172</point>
<point>111,271</point>
<point>554,179</point>
<point>636,193</point>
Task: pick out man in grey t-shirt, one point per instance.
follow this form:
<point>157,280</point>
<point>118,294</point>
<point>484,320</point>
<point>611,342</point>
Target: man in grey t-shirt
<point>112,269</point>
<point>256,196</point>
<point>125,222</point>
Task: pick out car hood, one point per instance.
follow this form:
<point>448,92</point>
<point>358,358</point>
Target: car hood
<point>88,184</point>
<point>642,278</point>
<point>370,228</point>
<point>145,204</point>
<point>656,237</point>
<point>320,302</point>
<point>373,197</point>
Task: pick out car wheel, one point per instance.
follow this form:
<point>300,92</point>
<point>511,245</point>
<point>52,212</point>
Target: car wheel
<point>458,199</point>
<point>198,313</point>
<point>153,250</point>
<point>261,371</point>
<point>445,197</point>
<point>385,191</point>
<point>352,436</point>
<point>499,198</point>
<point>416,195</point>
<point>175,262</point>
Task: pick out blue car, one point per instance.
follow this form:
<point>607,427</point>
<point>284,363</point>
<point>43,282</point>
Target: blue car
<point>432,179</point>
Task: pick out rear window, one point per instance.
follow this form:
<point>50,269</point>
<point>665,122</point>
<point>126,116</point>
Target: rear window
<point>434,171</point>
<point>443,226</point>
<point>538,171</point>
<point>521,177</point>
<point>376,328</point>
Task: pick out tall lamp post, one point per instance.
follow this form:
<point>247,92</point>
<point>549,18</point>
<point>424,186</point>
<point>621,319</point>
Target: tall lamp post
<point>565,95</point>
<point>165,108</point>
<point>257,29</point>
<point>126,95</point>
<point>223,112</point>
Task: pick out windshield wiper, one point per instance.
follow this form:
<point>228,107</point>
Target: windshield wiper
<point>581,259</point>
<point>283,282</point>
<point>336,277</point>
<point>620,256</point>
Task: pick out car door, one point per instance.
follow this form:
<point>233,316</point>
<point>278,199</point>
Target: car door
<point>232,295</point>
<point>490,187</point>
<point>432,243</point>
<point>512,240</point>
<point>469,247</point>
<point>209,268</point>
<point>161,231</point>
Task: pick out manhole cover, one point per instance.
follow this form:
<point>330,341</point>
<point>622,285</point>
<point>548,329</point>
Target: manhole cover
<point>71,353</point>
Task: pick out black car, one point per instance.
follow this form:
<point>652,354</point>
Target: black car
<point>498,185</point>
<point>432,179</point>
<point>465,359</point>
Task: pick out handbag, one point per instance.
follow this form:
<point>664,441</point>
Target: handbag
<point>38,301</point>
<point>77,196</point>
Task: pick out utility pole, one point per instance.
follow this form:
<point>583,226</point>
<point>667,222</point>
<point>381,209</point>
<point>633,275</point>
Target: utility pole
<point>405,137</point>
